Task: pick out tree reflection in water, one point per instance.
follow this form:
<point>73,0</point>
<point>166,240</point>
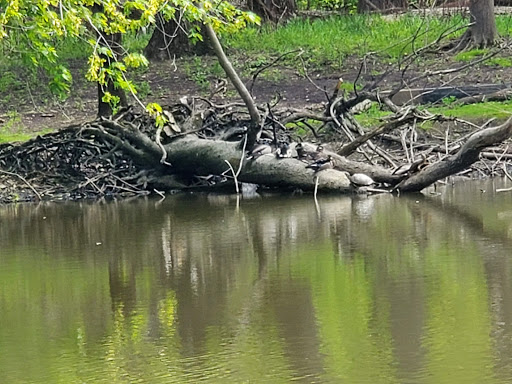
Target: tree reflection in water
<point>356,289</point>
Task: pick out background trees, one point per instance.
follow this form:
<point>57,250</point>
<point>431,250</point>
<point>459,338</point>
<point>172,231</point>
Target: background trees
<point>272,10</point>
<point>33,28</point>
<point>482,33</point>
<point>364,6</point>
<point>171,39</point>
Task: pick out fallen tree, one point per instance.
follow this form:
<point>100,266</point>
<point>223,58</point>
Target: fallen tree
<point>122,156</point>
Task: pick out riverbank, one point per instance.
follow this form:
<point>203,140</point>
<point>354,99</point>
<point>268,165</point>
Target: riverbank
<point>290,80</point>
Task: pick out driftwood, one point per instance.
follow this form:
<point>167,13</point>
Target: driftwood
<point>502,95</point>
<point>190,155</point>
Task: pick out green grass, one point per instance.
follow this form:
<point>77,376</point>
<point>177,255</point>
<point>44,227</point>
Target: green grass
<point>504,25</point>
<point>329,41</point>
<point>472,112</point>
<point>476,111</point>
<point>503,62</point>
<point>12,129</point>
<point>14,137</point>
<point>474,54</point>
<point>372,117</point>
<point>471,55</point>
<point>20,135</point>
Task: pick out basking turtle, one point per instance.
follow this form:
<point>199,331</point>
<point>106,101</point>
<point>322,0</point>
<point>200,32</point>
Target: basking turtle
<point>414,167</point>
<point>360,180</point>
<point>410,168</point>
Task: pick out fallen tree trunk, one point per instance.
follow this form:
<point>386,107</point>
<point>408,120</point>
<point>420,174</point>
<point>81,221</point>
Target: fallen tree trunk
<point>191,155</point>
<point>502,95</point>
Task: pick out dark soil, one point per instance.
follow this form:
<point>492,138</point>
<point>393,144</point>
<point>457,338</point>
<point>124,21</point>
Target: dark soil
<point>165,83</point>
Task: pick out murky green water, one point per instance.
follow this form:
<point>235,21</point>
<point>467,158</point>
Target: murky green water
<point>193,289</point>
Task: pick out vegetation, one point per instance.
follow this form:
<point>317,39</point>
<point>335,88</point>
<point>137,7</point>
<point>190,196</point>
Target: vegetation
<point>474,112</point>
<point>33,29</point>
<point>329,41</point>
<point>375,55</point>
<point>326,43</point>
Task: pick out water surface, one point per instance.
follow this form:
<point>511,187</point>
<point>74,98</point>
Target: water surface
<point>381,289</point>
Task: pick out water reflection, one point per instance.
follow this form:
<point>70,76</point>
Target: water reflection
<point>274,289</point>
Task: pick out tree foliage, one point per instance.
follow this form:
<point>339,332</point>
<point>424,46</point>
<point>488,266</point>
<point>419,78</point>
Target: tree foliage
<point>33,28</point>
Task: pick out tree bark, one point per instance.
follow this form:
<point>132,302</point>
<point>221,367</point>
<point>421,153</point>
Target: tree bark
<point>170,39</point>
<point>105,109</point>
<point>482,32</point>
<point>273,11</point>
<point>191,155</point>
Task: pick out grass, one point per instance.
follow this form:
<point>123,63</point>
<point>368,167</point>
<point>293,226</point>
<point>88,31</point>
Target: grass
<point>329,41</point>
<point>474,54</point>
<point>503,62</point>
<point>471,55</point>
<point>478,111</point>
<point>14,137</point>
<point>372,117</point>
<point>13,130</point>
<point>472,112</point>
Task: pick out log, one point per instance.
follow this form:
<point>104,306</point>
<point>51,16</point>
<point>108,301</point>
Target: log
<point>502,95</point>
<point>192,155</point>
<point>377,173</point>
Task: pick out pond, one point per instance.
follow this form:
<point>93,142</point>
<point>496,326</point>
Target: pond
<point>273,289</point>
